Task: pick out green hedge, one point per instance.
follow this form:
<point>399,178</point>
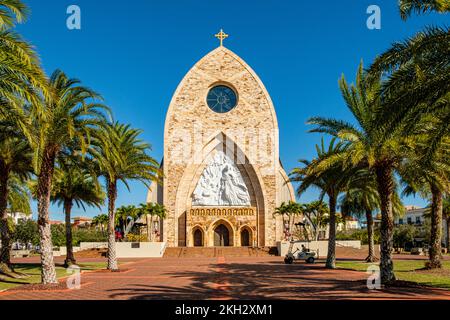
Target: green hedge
<point>359,234</point>
<point>78,235</point>
<point>27,231</point>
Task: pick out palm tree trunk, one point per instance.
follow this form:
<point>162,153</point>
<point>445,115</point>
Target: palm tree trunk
<point>448,233</point>
<point>385,185</point>
<point>48,271</point>
<point>112,194</point>
<point>149,236</point>
<point>70,258</point>
<point>436,229</point>
<point>5,253</point>
<point>371,257</point>
<point>291,229</point>
<point>331,256</point>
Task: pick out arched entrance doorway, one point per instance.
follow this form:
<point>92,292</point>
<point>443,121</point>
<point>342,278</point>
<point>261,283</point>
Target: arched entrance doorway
<point>198,238</point>
<point>221,236</point>
<point>245,238</point>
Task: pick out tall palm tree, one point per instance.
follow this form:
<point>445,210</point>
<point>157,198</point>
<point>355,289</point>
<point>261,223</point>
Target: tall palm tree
<point>431,179</point>
<point>418,74</point>
<point>21,77</point>
<point>407,7</point>
<point>369,145</point>
<point>446,215</point>
<point>67,119</point>
<point>73,185</point>
<point>418,83</point>
<point>331,180</point>
<point>121,156</point>
<point>15,168</point>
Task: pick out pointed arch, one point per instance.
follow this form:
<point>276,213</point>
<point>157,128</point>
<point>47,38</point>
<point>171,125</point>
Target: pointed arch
<point>218,223</point>
<point>251,174</point>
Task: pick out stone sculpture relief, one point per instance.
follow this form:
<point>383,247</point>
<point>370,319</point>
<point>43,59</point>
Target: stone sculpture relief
<point>221,184</point>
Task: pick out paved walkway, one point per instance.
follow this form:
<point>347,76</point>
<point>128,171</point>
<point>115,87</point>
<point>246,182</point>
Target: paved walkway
<point>225,278</point>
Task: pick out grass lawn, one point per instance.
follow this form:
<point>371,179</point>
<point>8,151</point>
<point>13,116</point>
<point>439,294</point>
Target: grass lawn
<point>34,272</point>
<point>409,270</point>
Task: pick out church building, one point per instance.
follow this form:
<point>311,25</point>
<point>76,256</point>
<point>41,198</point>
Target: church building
<point>223,177</point>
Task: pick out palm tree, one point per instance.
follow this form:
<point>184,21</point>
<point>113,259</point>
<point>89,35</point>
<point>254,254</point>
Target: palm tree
<point>21,77</point>
<point>315,212</point>
<point>124,213</point>
<point>64,121</point>
<point>418,83</point>
<point>422,6</point>
<point>369,145</point>
<point>431,179</point>
<point>331,180</point>
<point>446,215</point>
<point>361,198</point>
<point>154,210</point>
<point>15,168</point>
<point>160,213</point>
<point>121,156</point>
<point>19,195</point>
<point>418,74</point>
<point>73,185</point>
<point>12,11</point>
<point>282,211</point>
<point>100,220</point>
<point>290,210</point>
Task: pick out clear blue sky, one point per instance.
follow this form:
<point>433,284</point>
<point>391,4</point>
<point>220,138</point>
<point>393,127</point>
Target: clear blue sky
<point>135,53</point>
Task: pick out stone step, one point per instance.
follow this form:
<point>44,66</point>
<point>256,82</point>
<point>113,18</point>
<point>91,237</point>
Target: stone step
<point>210,252</point>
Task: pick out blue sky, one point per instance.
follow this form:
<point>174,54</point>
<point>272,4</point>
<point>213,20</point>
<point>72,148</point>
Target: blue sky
<point>136,53</point>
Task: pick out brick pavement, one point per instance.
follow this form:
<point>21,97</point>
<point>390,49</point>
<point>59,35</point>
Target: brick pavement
<point>225,278</point>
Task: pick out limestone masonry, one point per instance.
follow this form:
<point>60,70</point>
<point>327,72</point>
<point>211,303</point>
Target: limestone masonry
<point>241,194</point>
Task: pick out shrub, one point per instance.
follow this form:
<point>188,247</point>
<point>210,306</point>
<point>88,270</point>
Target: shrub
<point>26,231</point>
<point>58,235</point>
<point>404,234</point>
<point>88,235</point>
<point>358,234</point>
<point>131,237</point>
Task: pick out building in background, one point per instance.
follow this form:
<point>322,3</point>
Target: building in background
<point>413,215</point>
<point>416,216</point>
<point>81,222</point>
<point>351,223</point>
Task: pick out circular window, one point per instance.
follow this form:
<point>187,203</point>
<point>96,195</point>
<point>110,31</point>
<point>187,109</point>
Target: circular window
<point>221,99</point>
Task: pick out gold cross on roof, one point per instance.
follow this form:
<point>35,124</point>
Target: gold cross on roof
<point>221,36</point>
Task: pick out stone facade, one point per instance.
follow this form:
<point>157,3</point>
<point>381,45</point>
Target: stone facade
<point>248,133</point>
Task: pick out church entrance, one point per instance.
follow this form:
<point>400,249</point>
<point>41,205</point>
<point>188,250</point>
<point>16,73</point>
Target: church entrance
<point>245,238</point>
<point>221,236</point>
<point>198,238</point>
